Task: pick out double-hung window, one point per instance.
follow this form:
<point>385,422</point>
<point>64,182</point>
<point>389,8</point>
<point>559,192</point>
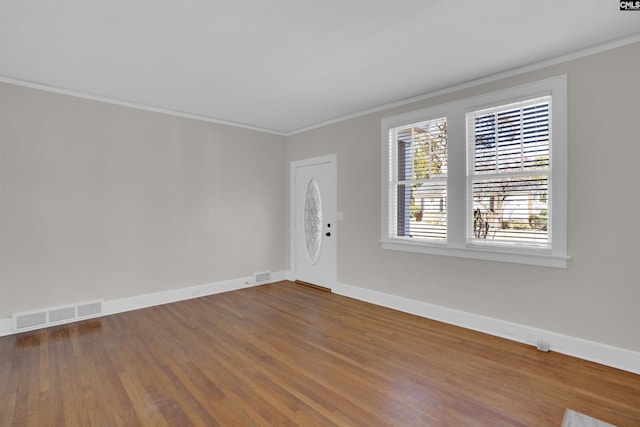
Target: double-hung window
<point>419,180</point>
<point>481,178</point>
<point>508,178</point>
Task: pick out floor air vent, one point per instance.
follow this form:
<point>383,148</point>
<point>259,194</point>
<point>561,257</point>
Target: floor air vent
<point>55,316</point>
<point>262,277</point>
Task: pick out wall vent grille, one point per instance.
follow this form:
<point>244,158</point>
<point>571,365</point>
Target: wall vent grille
<point>55,316</point>
<point>60,314</point>
<point>28,321</point>
<point>264,276</point>
<point>90,309</point>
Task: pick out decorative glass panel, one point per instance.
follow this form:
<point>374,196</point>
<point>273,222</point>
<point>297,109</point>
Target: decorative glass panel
<point>313,220</point>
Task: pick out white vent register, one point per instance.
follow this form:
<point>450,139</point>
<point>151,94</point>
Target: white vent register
<point>27,321</point>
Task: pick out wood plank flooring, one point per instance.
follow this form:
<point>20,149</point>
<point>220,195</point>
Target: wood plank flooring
<point>288,355</point>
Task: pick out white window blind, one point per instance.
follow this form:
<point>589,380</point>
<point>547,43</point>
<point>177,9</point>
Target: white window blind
<point>481,178</point>
<point>508,174</point>
<point>418,157</point>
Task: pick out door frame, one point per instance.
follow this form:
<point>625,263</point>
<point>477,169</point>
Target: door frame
<point>332,159</point>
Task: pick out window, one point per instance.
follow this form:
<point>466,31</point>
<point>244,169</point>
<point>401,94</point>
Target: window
<point>508,179</point>
<point>419,180</point>
<point>481,178</point>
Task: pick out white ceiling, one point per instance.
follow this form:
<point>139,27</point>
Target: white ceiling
<point>287,65</point>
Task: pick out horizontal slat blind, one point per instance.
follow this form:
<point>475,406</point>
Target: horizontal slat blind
<point>418,154</point>
<point>509,171</point>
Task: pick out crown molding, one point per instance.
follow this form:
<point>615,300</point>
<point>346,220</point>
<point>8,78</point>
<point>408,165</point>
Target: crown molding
<point>476,82</point>
<point>487,79</point>
<point>58,90</point>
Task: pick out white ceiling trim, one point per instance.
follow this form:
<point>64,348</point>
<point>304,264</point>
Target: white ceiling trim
<point>488,79</point>
<point>508,73</point>
<point>91,97</point>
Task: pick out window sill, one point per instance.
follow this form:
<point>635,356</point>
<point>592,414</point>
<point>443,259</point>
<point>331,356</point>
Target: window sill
<point>543,259</point>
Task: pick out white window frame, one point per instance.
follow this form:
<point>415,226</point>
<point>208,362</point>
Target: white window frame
<point>394,172</point>
<point>458,222</point>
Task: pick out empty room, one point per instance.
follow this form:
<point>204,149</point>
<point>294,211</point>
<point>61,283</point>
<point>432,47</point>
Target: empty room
<point>318,213</point>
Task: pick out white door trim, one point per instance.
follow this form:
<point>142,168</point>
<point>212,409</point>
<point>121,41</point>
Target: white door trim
<point>329,158</point>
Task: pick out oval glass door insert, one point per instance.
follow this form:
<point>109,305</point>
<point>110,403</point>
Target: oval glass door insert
<point>313,220</point>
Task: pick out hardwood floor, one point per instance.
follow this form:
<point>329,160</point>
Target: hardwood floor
<point>284,354</point>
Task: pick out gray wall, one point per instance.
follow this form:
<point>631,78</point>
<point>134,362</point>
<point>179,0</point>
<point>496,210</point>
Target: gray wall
<point>597,298</point>
<point>104,201</point>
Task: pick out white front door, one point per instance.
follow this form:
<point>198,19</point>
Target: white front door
<point>313,220</point>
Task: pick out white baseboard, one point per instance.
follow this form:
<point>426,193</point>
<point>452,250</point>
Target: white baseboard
<point>6,327</point>
<point>158,298</point>
<point>577,347</point>
<point>596,352</point>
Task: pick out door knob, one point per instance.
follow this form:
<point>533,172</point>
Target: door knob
<point>328,234</point>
